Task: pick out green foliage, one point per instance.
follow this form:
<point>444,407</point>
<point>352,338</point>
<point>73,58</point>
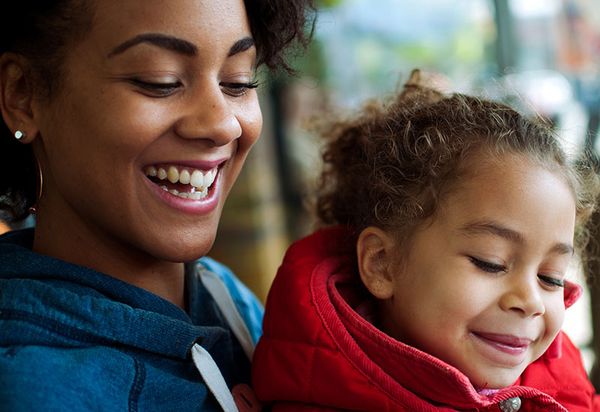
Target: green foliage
<point>329,3</point>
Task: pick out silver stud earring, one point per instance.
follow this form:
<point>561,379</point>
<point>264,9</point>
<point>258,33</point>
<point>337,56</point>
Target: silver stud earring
<point>19,135</point>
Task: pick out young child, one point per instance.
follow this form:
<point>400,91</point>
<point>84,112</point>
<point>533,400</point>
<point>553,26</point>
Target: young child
<point>439,284</point>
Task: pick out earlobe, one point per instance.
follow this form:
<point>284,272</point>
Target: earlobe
<point>16,96</point>
<point>375,251</point>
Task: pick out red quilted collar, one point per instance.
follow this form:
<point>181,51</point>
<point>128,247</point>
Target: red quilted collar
<point>393,366</point>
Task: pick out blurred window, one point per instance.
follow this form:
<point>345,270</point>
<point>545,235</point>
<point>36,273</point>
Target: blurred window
<point>368,49</point>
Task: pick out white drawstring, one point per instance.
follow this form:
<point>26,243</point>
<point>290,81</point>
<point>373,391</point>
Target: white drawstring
<point>213,378</point>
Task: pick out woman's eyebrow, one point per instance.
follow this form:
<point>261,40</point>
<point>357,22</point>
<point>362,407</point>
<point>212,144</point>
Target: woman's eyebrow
<point>161,40</point>
<point>241,46</point>
<point>176,44</point>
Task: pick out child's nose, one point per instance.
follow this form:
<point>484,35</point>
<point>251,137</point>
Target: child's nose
<point>522,294</point>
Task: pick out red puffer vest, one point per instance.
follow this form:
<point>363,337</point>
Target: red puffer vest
<point>318,353</point>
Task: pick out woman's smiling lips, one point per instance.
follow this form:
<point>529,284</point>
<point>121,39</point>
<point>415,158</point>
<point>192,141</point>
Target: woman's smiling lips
<point>191,187</point>
<point>501,348</point>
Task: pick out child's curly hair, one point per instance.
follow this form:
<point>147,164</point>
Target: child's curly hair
<point>392,165</point>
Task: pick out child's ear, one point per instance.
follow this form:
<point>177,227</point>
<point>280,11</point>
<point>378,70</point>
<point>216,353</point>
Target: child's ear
<point>375,251</point>
<point>16,95</point>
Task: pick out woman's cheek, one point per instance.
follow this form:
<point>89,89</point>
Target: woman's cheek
<point>251,120</point>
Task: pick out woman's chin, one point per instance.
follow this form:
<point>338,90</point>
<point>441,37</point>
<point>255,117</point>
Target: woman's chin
<point>181,248</point>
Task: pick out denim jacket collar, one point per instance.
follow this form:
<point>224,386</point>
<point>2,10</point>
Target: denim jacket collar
<point>76,306</point>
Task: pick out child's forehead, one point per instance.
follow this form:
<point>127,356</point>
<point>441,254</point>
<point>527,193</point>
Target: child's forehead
<point>508,174</point>
<point>493,178</point>
<point>485,161</point>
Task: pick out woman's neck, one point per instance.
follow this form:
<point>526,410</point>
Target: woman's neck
<point>121,261</point>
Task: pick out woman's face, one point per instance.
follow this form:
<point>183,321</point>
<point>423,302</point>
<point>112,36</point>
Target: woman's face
<point>149,129</point>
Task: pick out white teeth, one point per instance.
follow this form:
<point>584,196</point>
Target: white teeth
<point>198,195</point>
<point>173,174</point>
<point>209,177</point>
<point>184,177</point>
<point>184,195</point>
<point>199,180</point>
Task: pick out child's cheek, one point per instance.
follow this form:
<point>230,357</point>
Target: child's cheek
<point>554,317</point>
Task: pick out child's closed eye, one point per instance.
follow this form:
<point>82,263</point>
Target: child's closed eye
<point>489,267</point>
<point>486,266</point>
<point>551,281</point>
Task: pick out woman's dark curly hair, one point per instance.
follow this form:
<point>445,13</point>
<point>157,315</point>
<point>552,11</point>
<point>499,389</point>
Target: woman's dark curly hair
<point>42,30</point>
<point>392,165</point>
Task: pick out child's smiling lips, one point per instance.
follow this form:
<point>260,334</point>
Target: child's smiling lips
<point>504,348</point>
<point>510,341</point>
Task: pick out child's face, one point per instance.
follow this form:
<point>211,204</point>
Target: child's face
<point>478,288</point>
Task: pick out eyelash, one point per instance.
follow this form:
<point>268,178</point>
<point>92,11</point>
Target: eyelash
<point>239,89</point>
<point>552,282</point>
<point>489,267</point>
<point>157,89</point>
<point>167,89</point>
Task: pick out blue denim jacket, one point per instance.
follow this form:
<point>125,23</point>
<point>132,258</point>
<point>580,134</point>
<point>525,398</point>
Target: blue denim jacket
<point>75,339</point>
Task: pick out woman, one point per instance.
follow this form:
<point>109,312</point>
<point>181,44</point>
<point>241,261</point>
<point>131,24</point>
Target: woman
<point>127,123</point>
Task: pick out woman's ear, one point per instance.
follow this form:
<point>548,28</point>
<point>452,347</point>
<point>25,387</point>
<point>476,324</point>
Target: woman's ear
<point>16,96</point>
<point>375,251</point>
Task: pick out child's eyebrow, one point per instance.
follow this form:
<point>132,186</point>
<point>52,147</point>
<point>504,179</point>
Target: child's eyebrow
<point>496,229</point>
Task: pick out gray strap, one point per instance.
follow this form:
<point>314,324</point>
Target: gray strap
<point>220,293</point>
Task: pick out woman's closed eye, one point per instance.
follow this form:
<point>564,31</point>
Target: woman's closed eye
<point>486,266</point>
<point>157,89</point>
<point>238,89</point>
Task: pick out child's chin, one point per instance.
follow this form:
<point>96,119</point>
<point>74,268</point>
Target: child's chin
<point>495,380</point>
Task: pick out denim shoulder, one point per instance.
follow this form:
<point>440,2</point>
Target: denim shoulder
<point>250,308</point>
<point>51,378</point>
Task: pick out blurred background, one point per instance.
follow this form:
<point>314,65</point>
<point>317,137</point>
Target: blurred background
<point>542,56</point>
<point>538,55</point>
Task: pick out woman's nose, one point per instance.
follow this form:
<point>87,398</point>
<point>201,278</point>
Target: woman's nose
<point>209,116</point>
<point>522,294</point>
